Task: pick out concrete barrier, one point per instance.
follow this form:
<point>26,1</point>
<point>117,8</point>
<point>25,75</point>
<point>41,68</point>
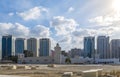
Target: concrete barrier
<point>109,76</point>
<point>33,67</point>
<point>27,68</point>
<point>14,67</point>
<point>100,71</point>
<point>51,65</point>
<point>90,73</point>
<point>67,74</point>
<point>20,67</point>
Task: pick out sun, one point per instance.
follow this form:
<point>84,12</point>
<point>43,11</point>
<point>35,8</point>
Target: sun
<point>116,5</point>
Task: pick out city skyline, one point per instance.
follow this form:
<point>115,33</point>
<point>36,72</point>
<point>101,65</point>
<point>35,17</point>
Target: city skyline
<point>106,49</point>
<point>65,22</point>
<point>95,38</point>
<point>60,38</point>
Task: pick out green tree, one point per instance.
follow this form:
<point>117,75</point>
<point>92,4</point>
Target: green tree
<point>13,58</point>
<point>28,53</point>
<point>68,61</point>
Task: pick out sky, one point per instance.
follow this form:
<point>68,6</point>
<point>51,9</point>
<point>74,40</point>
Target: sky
<point>65,22</point>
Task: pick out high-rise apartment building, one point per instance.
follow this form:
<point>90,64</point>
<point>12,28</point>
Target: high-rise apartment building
<point>32,46</point>
<point>103,47</point>
<point>19,45</point>
<point>115,48</point>
<point>75,52</point>
<point>44,47</point>
<point>7,47</point>
<point>89,46</point>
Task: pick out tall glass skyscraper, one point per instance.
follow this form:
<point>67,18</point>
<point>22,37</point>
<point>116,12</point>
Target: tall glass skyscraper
<point>103,47</point>
<point>44,48</point>
<point>6,46</point>
<point>89,47</point>
<point>19,45</point>
<point>115,48</point>
<point>32,46</point>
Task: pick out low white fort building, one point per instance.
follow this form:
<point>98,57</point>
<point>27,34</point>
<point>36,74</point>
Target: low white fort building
<point>56,59</point>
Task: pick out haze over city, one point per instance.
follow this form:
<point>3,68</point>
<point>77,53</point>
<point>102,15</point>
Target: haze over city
<point>64,21</point>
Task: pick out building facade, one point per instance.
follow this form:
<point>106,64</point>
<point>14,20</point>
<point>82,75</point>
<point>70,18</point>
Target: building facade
<point>103,47</point>
<point>89,47</point>
<point>44,47</point>
<point>115,48</point>
<point>32,46</point>
<point>19,46</point>
<point>43,59</point>
<point>75,52</point>
<point>57,56</point>
<point>7,47</point>
<point>36,60</point>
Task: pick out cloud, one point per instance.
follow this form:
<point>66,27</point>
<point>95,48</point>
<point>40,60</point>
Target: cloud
<point>108,19</point>
<point>107,24</point>
<point>103,21</point>
<point>63,25</point>
<point>53,42</point>
<point>19,30</point>
<point>40,31</point>
<point>81,32</point>
<point>110,30</point>
<point>4,27</point>
<point>71,9</point>
<point>65,39</point>
<point>10,14</point>
<point>65,42</point>
<point>14,29</point>
<point>33,13</point>
<point>70,35</point>
<point>68,32</point>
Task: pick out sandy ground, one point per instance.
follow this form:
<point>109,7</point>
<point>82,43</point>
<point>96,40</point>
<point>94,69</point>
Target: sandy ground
<point>10,76</point>
<point>44,71</point>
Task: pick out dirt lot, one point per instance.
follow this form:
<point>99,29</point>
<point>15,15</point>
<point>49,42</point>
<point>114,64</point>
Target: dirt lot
<point>45,71</point>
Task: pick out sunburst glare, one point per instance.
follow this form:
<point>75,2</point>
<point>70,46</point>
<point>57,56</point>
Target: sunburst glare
<point>116,5</point>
